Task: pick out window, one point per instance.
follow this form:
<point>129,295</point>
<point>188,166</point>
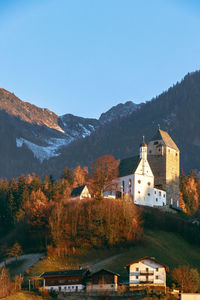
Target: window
<point>159,149</point>
<point>148,194</point>
<point>149,183</point>
<point>147,269</point>
<point>159,193</point>
<point>147,277</point>
<point>156,199</point>
<point>139,181</point>
<point>149,151</point>
<point>72,287</point>
<point>156,269</point>
<point>129,183</point>
<point>138,192</point>
<point>68,287</point>
<point>164,195</point>
<point>155,143</point>
<point>123,184</point>
<point>137,269</point>
<point>61,281</point>
<point>136,276</point>
<point>155,192</point>
<point>157,277</point>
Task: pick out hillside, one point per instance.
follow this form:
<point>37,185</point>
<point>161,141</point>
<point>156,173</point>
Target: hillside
<point>168,248</point>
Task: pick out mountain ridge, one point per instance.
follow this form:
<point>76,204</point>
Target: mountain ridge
<point>49,149</point>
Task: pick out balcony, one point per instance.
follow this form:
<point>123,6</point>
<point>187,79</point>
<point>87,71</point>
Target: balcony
<point>146,281</point>
<point>146,273</point>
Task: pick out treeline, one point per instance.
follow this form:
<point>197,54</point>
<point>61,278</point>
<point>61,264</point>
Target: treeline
<point>92,223</point>
<point>46,216</point>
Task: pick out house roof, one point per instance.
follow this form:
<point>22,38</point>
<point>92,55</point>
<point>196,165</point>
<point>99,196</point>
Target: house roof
<point>77,191</point>
<point>64,273</point>
<point>104,270</point>
<point>165,137</point>
<point>128,166</point>
<point>150,258</point>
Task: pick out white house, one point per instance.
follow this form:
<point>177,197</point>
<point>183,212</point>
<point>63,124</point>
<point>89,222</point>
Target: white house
<point>147,271</point>
<point>136,180</point>
<point>80,192</point>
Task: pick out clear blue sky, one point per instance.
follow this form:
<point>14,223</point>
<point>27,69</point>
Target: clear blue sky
<point>84,56</point>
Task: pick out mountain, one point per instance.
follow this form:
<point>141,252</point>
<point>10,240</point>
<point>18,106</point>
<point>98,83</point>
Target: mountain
<point>177,111</point>
<point>32,135</point>
<point>36,140</point>
<point>119,111</point>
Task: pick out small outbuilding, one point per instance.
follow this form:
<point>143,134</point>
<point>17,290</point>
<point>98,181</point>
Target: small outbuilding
<point>80,192</point>
<point>103,280</point>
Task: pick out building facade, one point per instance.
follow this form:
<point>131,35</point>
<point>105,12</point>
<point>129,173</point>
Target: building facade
<point>147,271</point>
<point>136,181</point>
<point>103,280</point>
<point>65,281</point>
<point>164,160</point>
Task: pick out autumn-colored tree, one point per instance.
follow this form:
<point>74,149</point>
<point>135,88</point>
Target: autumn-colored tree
<point>89,223</point>
<point>14,251</point>
<point>80,176</point>
<point>38,209</point>
<point>5,283</point>
<point>189,197</point>
<point>187,279</point>
<point>104,172</point>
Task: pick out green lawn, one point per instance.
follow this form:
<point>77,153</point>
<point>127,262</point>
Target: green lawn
<point>168,248</point>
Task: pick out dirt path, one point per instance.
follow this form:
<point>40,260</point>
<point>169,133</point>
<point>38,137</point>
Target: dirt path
<point>28,260</point>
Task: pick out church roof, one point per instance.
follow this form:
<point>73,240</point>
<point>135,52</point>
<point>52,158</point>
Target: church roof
<point>165,137</point>
<point>128,166</point>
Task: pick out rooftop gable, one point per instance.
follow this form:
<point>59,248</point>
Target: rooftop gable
<point>104,270</point>
<point>81,272</point>
<point>148,258</point>
<point>128,166</point>
<point>77,191</point>
<point>165,137</point>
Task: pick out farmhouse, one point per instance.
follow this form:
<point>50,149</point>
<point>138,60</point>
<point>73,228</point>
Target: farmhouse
<point>103,280</point>
<point>147,271</point>
<point>65,281</point>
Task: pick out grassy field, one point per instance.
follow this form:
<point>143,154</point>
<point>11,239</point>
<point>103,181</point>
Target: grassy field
<point>24,296</point>
<point>168,248</point>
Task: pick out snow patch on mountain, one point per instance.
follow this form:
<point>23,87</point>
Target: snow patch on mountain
<point>44,152</point>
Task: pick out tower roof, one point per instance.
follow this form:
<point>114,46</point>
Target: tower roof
<point>165,137</point>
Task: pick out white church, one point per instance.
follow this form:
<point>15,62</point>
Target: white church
<point>136,181</point>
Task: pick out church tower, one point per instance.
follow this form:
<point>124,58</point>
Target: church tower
<point>164,157</point>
